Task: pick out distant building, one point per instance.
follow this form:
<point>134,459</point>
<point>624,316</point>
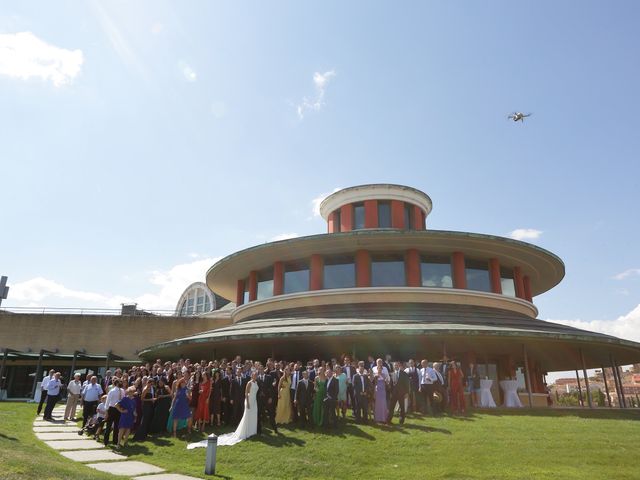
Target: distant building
<point>198,299</point>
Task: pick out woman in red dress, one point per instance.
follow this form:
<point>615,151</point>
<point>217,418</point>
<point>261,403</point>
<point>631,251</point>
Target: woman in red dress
<point>456,389</point>
<point>201,416</point>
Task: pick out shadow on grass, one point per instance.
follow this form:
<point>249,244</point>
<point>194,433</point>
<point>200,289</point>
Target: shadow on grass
<point>596,414</point>
<point>13,439</point>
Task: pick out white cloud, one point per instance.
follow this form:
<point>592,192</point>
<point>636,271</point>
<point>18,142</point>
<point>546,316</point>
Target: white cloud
<point>283,236</point>
<point>315,203</point>
<point>631,272</point>
<point>525,234</point>
<point>320,80</point>
<point>626,326</point>
<point>165,287</point>
<point>25,56</point>
<point>189,73</point>
<point>157,28</point>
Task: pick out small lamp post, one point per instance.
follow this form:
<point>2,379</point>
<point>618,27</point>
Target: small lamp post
<point>210,462</point>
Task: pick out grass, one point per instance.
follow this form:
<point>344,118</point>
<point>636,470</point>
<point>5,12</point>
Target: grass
<point>23,456</point>
<point>522,444</point>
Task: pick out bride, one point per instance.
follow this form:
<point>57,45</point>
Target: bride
<point>248,426</point>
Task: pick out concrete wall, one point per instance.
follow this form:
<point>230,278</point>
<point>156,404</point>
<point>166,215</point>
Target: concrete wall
<point>97,334</point>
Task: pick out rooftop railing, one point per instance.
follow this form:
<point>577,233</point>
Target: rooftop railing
<point>87,311</point>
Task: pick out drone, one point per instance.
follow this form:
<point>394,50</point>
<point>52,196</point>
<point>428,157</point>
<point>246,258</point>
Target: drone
<point>518,116</point>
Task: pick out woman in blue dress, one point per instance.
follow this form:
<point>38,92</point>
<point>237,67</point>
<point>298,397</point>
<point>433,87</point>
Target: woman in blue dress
<point>127,409</point>
<point>180,407</point>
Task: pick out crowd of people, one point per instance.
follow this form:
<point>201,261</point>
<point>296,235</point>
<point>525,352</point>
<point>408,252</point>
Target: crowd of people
<point>170,396</point>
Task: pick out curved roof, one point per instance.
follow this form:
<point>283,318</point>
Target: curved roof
<point>375,191</point>
<point>471,328</point>
<point>544,268</point>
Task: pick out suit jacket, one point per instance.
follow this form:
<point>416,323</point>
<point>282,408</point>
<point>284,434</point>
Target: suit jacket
<point>332,389</point>
<point>414,378</point>
<point>352,372</point>
<point>357,383</point>
<point>304,395</point>
<point>312,374</point>
<point>402,386</point>
<point>225,387</point>
<point>237,390</point>
<point>266,389</point>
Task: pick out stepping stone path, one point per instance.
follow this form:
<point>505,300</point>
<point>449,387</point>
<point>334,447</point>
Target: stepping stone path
<point>63,436</point>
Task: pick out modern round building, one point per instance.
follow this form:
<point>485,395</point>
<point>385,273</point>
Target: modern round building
<point>379,282</point>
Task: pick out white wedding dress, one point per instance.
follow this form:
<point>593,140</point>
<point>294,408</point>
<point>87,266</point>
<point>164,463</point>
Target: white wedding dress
<point>247,427</point>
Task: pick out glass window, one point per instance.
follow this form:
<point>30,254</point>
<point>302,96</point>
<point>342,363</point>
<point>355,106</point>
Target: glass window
<point>296,278</point>
<point>245,297</point>
<point>183,309</point>
<point>207,304</point>
<point>507,283</point>
<point>265,283</point>
<point>384,214</point>
<point>388,272</point>
<point>358,216</point>
<point>200,302</point>
<point>477,276</point>
<point>408,217</point>
<point>339,273</point>
<point>436,272</point>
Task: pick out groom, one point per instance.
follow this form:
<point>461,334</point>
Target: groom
<point>266,399</point>
<point>330,401</point>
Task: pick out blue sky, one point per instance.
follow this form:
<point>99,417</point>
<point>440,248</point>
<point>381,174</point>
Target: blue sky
<point>141,140</point>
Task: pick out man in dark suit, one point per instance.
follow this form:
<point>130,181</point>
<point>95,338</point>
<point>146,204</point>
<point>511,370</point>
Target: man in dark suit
<point>304,398</point>
<point>225,386</point>
<point>400,387</point>
<point>266,399</point>
<point>414,383</point>
<point>361,387</point>
<point>106,381</point>
<point>237,392</point>
<point>349,370</point>
<point>330,401</point>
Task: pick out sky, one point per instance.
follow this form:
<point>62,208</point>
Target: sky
<point>141,141</point>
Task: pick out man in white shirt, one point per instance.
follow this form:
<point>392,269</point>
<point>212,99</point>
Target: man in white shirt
<point>116,394</point>
<point>74,389</point>
<point>427,378</point>
<point>53,394</point>
<point>91,394</point>
<point>379,366</point>
<point>43,389</point>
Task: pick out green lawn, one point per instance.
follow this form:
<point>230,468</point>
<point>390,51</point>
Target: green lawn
<point>540,444</point>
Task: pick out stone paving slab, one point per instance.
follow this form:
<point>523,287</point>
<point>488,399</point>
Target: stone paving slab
<point>77,444</point>
<point>56,428</point>
<point>128,468</point>
<point>166,476</point>
<point>45,423</point>
<point>59,436</point>
<point>92,455</point>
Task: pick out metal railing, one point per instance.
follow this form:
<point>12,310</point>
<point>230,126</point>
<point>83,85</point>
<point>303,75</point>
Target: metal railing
<point>85,311</point>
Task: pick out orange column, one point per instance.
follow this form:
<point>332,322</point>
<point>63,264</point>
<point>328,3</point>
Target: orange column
<point>346,218</point>
<point>316,267</point>
<point>526,281</point>
<point>459,274</point>
<point>331,226</point>
<point>240,293</point>
<point>418,219</point>
<point>370,214</point>
<point>494,275</point>
<point>518,281</point>
<point>397,214</point>
<point>253,285</point>
<point>363,268</point>
<point>278,278</point>
<point>412,267</point>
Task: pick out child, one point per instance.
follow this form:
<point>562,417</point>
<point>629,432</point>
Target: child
<point>94,425</point>
<point>127,409</point>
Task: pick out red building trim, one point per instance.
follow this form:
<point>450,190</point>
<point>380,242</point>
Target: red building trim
<point>370,214</point>
<point>316,272</point>
<point>494,275</point>
<point>331,226</point>
<point>363,268</point>
<point>240,293</point>
<point>412,267</point>
<point>458,269</point>
<point>527,288</point>
<point>346,218</point>
<point>397,214</point>
<point>278,278</point>
<point>518,281</point>
<point>253,285</point>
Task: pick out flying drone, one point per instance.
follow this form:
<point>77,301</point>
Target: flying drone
<point>518,116</point>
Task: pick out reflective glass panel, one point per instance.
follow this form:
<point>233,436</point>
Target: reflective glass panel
<point>408,223</point>
<point>387,273</point>
<point>358,216</point>
<point>296,281</point>
<point>384,214</point>
<point>341,275</point>
<point>265,289</point>
<point>508,287</point>
<point>478,278</point>
<point>436,273</point>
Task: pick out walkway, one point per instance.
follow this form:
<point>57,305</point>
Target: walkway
<point>63,436</point>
